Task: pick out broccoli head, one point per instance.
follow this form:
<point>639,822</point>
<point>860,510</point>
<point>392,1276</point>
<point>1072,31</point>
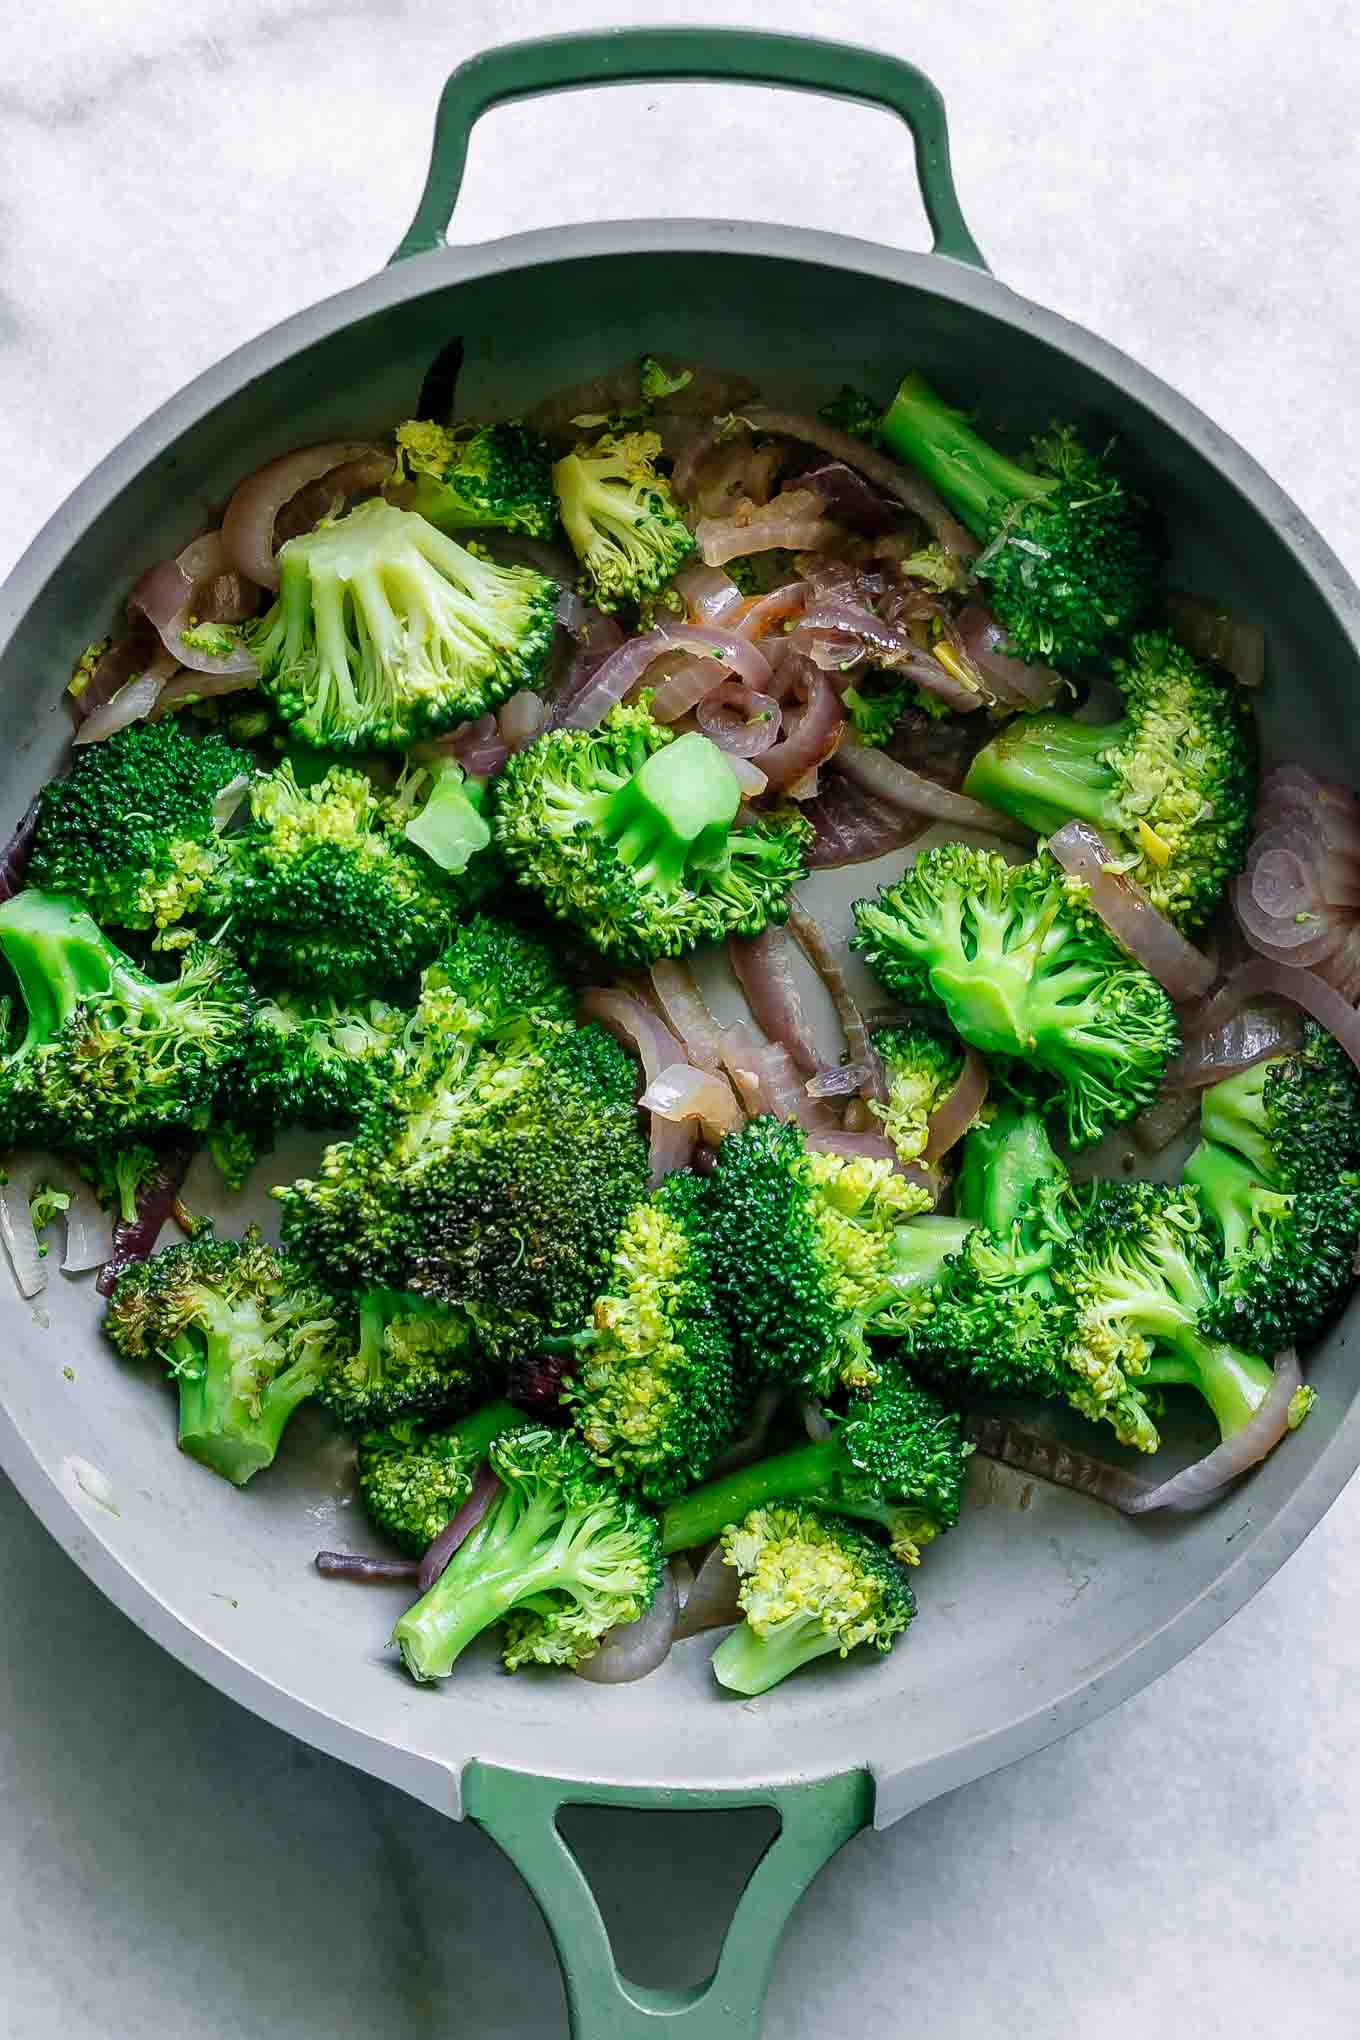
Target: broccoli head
<point>385,631</point>
<point>410,1356</point>
<point>851,411</point>
<point>105,1049</point>
<point>561,1556</point>
<point>1294,1118</point>
<point>624,526</point>
<point>812,1585</point>
<point>245,1335</point>
<point>1025,969</point>
<point>131,830</point>
<point>117,1171</point>
<point>465,476</point>
<point>1170,785</point>
<point>921,1067</point>
<point>631,833</point>
<point>1070,554</point>
<point>414,1476</point>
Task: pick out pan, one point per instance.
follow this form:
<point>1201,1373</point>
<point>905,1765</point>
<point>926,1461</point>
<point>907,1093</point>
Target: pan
<point>1047,1609</point>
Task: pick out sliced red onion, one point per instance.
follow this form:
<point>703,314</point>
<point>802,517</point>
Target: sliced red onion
<point>571,612</point>
<point>248,525</point>
<point>479,747</point>
<point>485,1488</point>
<point>712,1601</point>
<point>684,685</point>
<point>1181,969</point>
<point>898,482</point>
<point>136,1240</point>
<point>357,1565</point>
<point>200,686</point>
<point>125,660</point>
<point>806,785</point>
<point>681,1092</point>
<point>955,1113</point>
<point>749,777</point>
<point>1300,943</point>
<point>1208,630</point>
<point>1014,682</point>
<point>838,614</point>
<point>683,1005</point>
<point>521,718</point>
<point>88,1229</point>
<point>14,858</point>
<point>629,1021</point>
<point>850,499</point>
<point>1301,987</point>
<point>742,1059</point>
<point>832,652</point>
<point>1247,1037</point>
<point>889,780</point>
<point>1049,1459</point>
<point>752,1441</point>
<point>763,965</point>
<point>633,1649</point>
<point>707,593</point>
<point>849,827</point>
<point>830,967</point>
<point>132,703</point>
<point>783,1083</point>
<point>1167,1116</point>
<point>165,595</point>
<point>809,737</point>
<point>1195,1485</point>
<point>740,722</point>
<point>768,610</point>
<point>873,1147</point>
<point>624,668</point>
<point>845,1081</point>
<point>793,522</point>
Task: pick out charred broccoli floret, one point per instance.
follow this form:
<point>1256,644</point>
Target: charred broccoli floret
<point>1170,785</point>
<point>618,512</point>
<point>559,1558</point>
<point>1024,969</point>
<point>464,476</point>
<point>386,631</point>
<point>408,1356</point>
<point>631,833</point>
<point>414,1476</point>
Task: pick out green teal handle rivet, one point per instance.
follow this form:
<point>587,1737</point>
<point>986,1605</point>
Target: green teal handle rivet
<point>627,56</point>
<point>519,1811</point>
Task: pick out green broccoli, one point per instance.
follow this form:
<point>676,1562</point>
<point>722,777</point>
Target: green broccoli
<point>1170,785</point>
<point>411,1356</point>
<point>922,1068</point>
<point>46,1204</point>
<point>896,1458</point>
<point>1295,1118</point>
<point>628,831</point>
<point>561,1556</point>
<point>445,813</point>
<point>1024,968</point>
<point>464,476</point>
<point>107,1050</point>
<point>802,1254</point>
<point>131,830</point>
<point>117,1171</point>
<point>811,1584</point>
<point>618,513</point>
<point>851,411</point>
<point>246,1337</point>
<point>652,1393</point>
<point>414,1476</point>
<point>386,631</point>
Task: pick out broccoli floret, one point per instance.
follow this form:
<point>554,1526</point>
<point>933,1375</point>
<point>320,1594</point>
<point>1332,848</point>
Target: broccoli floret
<point>130,831</point>
<point>46,1204</point>
<point>896,1459</point>
<point>117,1171</point>
<point>802,1254</point>
<point>619,515</point>
<point>628,831</point>
<point>851,411</point>
<point>559,1558</point>
<point>245,1335</point>
<point>1294,1118</point>
<point>414,1476</point>
<point>811,1584</point>
<point>505,982</point>
<point>1170,785</point>
<point>653,1394</point>
<point>1070,556</point>
<point>385,631</point>
<point>921,1068</point>
<point>463,476</point>
<point>410,1356</point>
<point>322,892</point>
<point>1024,968</point>
<point>1141,1280</point>
<point>307,1062</point>
<point>107,1050</point>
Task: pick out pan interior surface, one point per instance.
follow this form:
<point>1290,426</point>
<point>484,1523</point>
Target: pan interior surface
<point>1042,1607</point>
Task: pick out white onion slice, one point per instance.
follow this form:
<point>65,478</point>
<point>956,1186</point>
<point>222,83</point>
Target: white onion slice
<point>681,1092</point>
<point>623,669</point>
<point>633,1649</point>
<point>900,787</point>
<point>707,592</point>
<point>248,525</point>
<point>1181,969</point>
<point>132,703</point>
<point>1195,1485</point>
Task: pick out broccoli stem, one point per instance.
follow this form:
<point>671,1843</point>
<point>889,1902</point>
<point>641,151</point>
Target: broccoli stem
<point>482,1426</point>
<point>974,479</point>
<point>59,958</point>
<point>1047,769</point>
<point>1005,1160</point>
<point>1228,1189</point>
<point>493,1569</point>
<point>748,1663</point>
<point>225,1421</point>
<point>676,810</point>
<point>451,828</point>
<point>1233,1114</point>
<point>804,1470</point>
<point>1233,1383</point>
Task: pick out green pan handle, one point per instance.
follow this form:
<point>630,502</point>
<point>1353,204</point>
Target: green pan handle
<point>629,56</point>
<point>519,1811</point>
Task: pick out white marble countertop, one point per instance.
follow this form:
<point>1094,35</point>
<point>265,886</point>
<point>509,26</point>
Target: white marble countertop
<point>1186,182</point>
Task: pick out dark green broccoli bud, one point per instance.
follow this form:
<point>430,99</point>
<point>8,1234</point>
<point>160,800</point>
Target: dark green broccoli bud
<point>131,830</point>
<point>561,1556</point>
<point>811,1585</point>
<point>1289,1255</point>
<point>922,1068</point>
<point>507,983</point>
<point>246,1337</point>
<point>851,411</point>
<point>896,1459</point>
<point>1295,1118</point>
<point>802,1254</point>
<point>1141,1279</point>
<point>107,1050</point>
<point>322,893</point>
<point>463,476</point>
<point>386,631</point>
<point>628,831</point>
<point>411,1355</point>
<point>1070,553</point>
<point>1024,968</point>
<point>414,1476</point>
<point>618,512</point>
<point>1171,785</point>
<point>653,1393</point>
